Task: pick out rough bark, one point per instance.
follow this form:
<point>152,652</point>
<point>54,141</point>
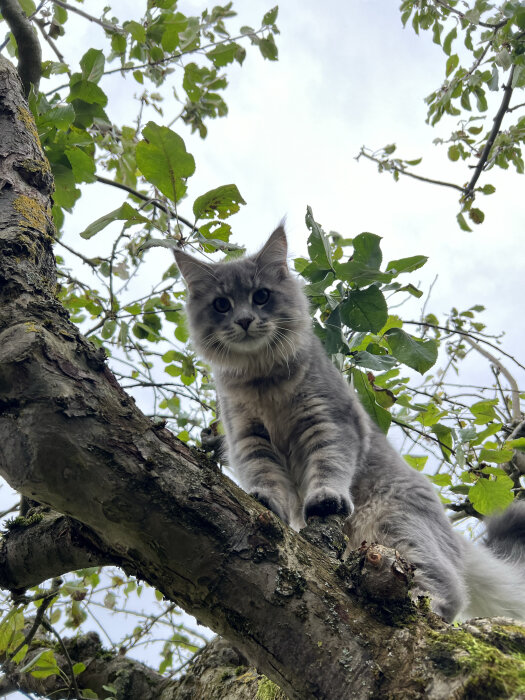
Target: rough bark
<point>72,439</point>
<point>217,672</point>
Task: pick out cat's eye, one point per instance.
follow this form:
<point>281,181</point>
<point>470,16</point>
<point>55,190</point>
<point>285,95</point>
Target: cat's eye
<point>222,305</point>
<point>261,296</point>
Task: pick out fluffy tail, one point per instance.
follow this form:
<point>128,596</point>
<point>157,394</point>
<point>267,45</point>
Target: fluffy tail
<point>506,534</point>
<point>495,571</point>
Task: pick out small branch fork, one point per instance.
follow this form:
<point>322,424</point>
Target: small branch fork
<point>468,190</point>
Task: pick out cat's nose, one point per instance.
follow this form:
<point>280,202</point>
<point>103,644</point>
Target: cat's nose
<point>244,322</point>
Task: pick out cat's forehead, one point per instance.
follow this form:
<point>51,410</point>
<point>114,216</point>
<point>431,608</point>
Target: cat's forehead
<point>238,275</point>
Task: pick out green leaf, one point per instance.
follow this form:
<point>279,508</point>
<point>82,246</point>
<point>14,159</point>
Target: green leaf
<point>417,463</point>
<point>222,202</point>
<point>42,665</point>
<point>483,411</point>
<point>123,213</point>
<point>87,91</point>
<point>79,668</point>
<point>92,64</point>
<point>516,444</point>
<point>17,658</point>
<point>418,354</point>
<point>175,24</point>
<point>447,42</point>
<point>463,223</point>
<point>452,64</point>
<point>487,189</point>
<point>66,193</point>
<point>488,495</point>
<point>60,117</point>
<point>503,59</point>
<point>367,250</point>
<point>137,31</point>
<point>454,153</point>
<point>379,415</point>
<point>378,363</point>
<point>268,48</point>
<point>414,291</point>
<point>444,435</point>
<point>359,274</point>
<point>406,264</point>
<point>495,456</point>
<point>440,479</point>
<point>318,244</point>
<point>476,215</point>
<point>223,54</point>
<point>365,310</point>
<point>164,161</point>
<point>334,340</point>
<point>270,17</point>
<point>82,164</point>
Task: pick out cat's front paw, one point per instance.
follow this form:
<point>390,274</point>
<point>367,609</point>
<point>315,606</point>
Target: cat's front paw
<point>269,502</point>
<point>326,501</point>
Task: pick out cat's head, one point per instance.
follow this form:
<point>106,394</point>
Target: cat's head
<point>246,313</point>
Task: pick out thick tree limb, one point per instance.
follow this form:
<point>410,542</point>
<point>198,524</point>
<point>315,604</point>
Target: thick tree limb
<point>29,51</point>
<point>73,440</point>
<point>53,546</point>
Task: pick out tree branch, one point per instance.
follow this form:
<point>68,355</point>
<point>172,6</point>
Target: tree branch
<point>450,8</point>
<point>514,390</point>
<point>144,198</point>
<point>402,171</point>
<point>29,51</point>
<point>54,545</point>
<point>107,26</point>
<point>507,93</point>
<point>218,670</point>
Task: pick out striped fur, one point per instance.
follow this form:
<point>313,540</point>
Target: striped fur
<point>297,436</point>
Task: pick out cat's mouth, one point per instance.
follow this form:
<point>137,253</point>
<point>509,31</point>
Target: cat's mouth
<point>248,343</point>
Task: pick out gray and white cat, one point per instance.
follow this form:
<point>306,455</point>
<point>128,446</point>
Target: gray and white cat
<point>302,444</point>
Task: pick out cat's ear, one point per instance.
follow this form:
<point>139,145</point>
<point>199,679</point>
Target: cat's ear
<point>193,270</point>
<point>273,253</point>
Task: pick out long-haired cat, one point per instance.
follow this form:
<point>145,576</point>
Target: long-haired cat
<point>302,444</point>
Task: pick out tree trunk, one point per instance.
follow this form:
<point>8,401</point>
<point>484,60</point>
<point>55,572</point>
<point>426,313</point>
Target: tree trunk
<point>72,439</point>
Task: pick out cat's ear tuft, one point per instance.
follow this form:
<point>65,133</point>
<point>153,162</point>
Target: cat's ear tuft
<point>274,251</point>
<point>192,269</point>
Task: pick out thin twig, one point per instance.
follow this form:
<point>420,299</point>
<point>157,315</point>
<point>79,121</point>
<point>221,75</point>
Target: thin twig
<point>112,28</point>
<point>49,627</point>
<point>88,261</point>
<point>409,174</point>
<point>511,109</point>
<point>405,426</point>
<point>448,7</point>
<point>41,25</point>
<point>172,57</point>
<point>46,602</point>
<point>145,198</point>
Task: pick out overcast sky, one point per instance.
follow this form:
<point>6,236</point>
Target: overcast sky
<point>348,75</point>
